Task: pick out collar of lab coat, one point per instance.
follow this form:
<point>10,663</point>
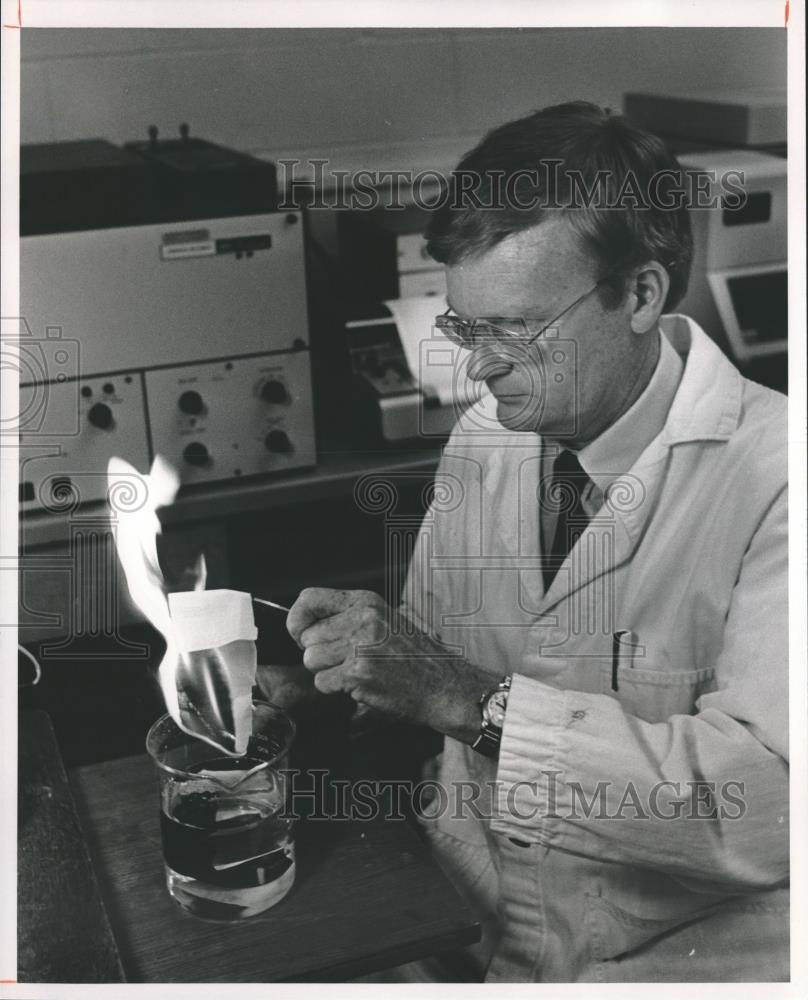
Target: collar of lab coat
<point>706,407</point>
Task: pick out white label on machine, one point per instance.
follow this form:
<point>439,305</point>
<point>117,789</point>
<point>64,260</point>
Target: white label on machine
<point>173,251</point>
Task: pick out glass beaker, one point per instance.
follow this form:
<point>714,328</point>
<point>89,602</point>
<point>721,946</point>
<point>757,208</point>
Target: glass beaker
<point>227,836</point>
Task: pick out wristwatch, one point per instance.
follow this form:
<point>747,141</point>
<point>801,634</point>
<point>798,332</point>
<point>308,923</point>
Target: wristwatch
<point>493,704</point>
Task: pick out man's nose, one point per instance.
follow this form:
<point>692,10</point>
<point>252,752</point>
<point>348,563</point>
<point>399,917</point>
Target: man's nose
<point>486,361</point>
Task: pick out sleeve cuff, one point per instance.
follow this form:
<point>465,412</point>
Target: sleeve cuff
<point>528,760</point>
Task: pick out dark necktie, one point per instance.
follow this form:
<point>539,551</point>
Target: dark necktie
<point>568,484</point>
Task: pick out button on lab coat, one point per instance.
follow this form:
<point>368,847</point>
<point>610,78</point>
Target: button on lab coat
<point>635,824</point>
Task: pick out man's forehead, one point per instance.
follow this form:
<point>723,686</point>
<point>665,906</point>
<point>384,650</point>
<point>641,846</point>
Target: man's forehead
<point>532,267</point>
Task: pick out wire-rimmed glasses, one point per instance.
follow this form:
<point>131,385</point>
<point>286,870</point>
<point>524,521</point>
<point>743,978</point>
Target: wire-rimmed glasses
<point>521,330</point>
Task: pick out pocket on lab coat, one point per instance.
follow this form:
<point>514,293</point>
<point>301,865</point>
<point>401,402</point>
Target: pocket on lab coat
<point>627,914</point>
<point>733,940</point>
<point>654,694</point>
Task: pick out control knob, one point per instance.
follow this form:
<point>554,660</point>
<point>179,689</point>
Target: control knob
<point>278,441</point>
<point>196,453</point>
<point>274,392</point>
<point>100,415</point>
<point>191,402</point>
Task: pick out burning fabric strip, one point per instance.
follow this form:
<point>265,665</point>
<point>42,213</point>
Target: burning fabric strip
<point>209,666</point>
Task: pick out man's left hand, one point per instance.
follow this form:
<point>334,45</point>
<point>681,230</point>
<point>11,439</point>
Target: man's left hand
<point>354,642</point>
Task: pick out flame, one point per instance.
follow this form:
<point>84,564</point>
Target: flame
<point>199,691</point>
<point>136,541</point>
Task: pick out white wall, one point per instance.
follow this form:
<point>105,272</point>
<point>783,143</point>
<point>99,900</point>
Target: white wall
<point>366,96</point>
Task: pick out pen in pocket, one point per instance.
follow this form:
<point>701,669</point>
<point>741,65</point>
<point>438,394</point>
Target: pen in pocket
<point>624,642</point>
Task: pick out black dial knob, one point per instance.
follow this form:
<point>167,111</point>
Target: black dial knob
<point>274,392</point>
<point>196,454</point>
<point>100,415</point>
<point>191,402</point>
<point>278,441</point>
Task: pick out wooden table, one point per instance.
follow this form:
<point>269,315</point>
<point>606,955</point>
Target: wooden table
<point>63,934</point>
<point>367,896</point>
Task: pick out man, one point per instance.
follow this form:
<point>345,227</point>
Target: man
<point>597,617</point>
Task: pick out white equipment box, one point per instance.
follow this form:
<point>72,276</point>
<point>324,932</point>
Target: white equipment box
<point>186,339</point>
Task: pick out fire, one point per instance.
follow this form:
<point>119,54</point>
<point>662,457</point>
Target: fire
<point>208,669</point>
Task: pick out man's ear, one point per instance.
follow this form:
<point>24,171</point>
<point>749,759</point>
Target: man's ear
<point>649,291</point>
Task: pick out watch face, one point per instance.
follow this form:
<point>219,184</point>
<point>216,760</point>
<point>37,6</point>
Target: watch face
<point>495,708</point>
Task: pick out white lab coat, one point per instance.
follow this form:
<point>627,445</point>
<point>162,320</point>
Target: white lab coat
<point>690,554</point>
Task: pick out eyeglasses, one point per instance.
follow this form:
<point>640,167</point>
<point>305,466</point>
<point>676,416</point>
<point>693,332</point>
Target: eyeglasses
<point>471,333</point>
